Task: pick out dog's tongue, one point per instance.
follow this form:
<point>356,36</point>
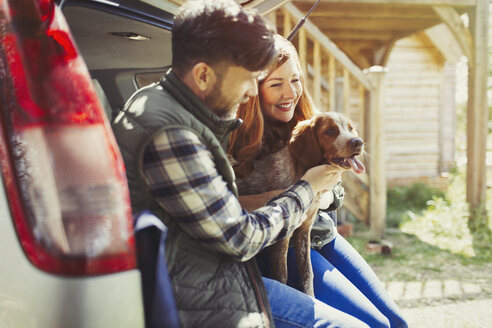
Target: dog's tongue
<point>356,165</point>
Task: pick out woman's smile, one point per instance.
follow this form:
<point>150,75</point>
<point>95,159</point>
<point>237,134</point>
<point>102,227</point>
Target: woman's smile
<point>285,107</point>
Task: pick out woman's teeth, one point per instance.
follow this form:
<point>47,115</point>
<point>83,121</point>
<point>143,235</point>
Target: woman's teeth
<point>284,106</point>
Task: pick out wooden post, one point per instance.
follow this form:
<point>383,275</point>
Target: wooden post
<point>317,74</point>
<point>331,81</point>
<point>272,18</point>
<point>376,148</point>
<point>362,104</point>
<point>302,49</point>
<point>346,92</point>
<point>287,25</point>
<point>477,114</point>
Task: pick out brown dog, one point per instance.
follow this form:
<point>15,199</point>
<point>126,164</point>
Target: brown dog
<point>327,138</point>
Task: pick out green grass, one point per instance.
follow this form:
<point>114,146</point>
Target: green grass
<point>430,235</point>
<point>405,202</point>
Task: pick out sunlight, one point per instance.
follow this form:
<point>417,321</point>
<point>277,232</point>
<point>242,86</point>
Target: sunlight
<point>444,224</point>
<point>444,236</point>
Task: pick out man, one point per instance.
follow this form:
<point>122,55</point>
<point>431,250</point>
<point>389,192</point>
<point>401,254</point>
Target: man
<point>172,136</point>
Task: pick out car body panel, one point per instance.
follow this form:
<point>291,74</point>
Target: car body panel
<point>32,298</point>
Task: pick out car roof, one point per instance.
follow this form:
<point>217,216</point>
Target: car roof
<point>113,35</point>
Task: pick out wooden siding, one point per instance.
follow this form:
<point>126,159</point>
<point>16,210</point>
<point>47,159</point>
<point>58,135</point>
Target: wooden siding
<point>419,113</point>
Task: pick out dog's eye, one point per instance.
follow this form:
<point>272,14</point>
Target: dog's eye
<point>350,128</point>
<point>331,132</point>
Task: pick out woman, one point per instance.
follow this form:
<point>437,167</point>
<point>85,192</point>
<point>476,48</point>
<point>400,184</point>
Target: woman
<point>342,279</point>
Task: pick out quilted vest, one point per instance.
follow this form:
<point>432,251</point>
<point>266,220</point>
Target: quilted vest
<point>211,289</point>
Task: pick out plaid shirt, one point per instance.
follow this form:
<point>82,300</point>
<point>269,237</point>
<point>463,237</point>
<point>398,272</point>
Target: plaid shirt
<point>182,176</point>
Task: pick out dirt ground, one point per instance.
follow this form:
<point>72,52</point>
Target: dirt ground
<point>459,314</point>
<point>463,298</point>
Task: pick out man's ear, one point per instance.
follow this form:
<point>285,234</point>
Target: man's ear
<point>203,76</point>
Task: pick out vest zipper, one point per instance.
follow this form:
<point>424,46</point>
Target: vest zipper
<point>258,293</point>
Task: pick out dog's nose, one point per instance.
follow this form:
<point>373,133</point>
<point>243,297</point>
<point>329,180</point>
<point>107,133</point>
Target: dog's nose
<point>356,142</point>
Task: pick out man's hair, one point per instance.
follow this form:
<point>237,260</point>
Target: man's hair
<point>218,32</point>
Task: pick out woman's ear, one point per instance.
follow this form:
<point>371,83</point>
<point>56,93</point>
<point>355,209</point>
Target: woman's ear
<point>203,76</point>
<point>304,144</point>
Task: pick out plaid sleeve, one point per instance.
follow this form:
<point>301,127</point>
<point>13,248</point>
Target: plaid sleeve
<point>183,178</point>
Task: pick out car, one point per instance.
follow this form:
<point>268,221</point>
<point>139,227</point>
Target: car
<point>66,237</point>
<point>67,241</point>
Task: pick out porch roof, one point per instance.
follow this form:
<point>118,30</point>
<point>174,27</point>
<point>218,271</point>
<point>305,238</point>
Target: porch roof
<point>365,30</point>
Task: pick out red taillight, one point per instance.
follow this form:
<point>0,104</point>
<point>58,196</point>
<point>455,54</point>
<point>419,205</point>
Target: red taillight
<point>62,169</point>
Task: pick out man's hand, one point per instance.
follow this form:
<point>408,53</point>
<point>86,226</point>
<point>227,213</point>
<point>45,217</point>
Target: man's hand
<point>322,178</point>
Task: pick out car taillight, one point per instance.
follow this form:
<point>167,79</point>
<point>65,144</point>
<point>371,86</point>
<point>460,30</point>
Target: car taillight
<point>63,172</point>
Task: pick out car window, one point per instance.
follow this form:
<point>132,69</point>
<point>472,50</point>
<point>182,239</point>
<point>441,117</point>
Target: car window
<point>144,79</point>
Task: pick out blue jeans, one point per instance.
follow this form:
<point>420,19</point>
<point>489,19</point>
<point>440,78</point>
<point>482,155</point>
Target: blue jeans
<point>344,281</point>
<point>293,309</point>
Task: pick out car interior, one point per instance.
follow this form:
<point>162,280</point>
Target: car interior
<point>125,46</point>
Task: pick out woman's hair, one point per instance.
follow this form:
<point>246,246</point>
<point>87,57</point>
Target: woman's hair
<point>258,136</point>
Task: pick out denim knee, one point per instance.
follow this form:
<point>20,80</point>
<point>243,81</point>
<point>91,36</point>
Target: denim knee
<point>293,309</point>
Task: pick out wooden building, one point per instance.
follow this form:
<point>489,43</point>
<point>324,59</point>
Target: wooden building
<point>420,110</point>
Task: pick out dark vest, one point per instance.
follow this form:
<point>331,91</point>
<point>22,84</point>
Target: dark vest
<point>211,289</point>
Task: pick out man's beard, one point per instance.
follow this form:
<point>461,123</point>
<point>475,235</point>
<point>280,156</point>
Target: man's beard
<point>218,105</point>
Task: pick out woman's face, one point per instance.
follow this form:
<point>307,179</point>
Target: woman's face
<point>281,91</point>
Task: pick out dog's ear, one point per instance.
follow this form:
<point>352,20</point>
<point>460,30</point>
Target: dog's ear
<point>304,144</point>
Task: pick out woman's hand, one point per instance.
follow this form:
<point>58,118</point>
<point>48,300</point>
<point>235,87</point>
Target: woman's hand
<point>323,177</point>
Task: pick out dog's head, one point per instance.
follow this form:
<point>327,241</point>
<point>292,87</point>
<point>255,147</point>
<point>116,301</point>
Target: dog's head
<point>327,138</point>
